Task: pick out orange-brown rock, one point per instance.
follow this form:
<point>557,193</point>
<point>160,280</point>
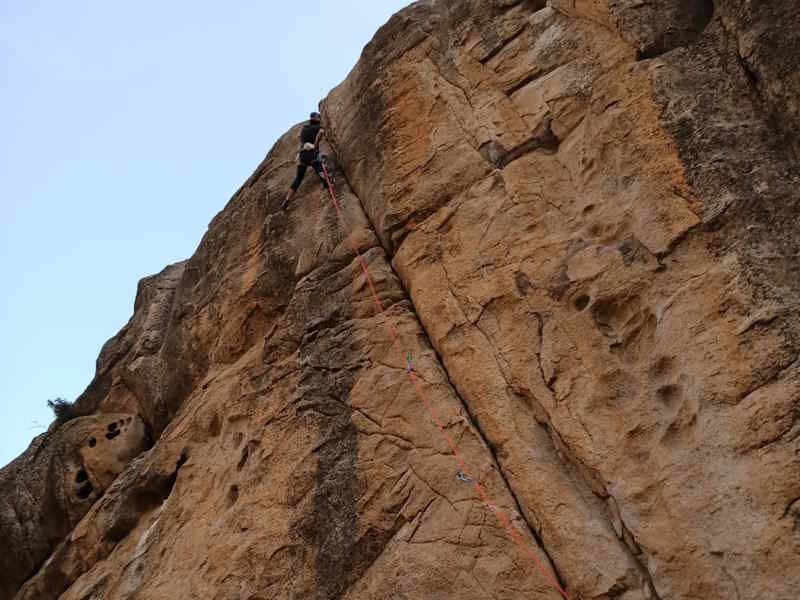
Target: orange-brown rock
<point>609,276</point>
<point>581,219</point>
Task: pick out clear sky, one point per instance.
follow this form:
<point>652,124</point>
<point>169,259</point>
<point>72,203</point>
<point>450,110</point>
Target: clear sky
<point>124,127</point>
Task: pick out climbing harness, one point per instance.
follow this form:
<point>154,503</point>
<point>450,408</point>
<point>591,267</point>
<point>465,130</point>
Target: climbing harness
<point>463,474</point>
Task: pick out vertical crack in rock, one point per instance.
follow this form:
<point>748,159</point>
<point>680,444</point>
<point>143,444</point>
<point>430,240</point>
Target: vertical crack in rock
<point>589,479</point>
<point>540,140</point>
<point>548,381</point>
<point>473,420</point>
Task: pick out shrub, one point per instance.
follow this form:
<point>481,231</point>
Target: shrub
<point>64,410</point>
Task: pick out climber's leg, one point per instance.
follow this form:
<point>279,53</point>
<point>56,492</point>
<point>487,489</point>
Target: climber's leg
<point>317,164</point>
<point>301,172</point>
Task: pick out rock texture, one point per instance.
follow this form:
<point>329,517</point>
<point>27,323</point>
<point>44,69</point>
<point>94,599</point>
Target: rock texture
<point>580,217</point>
<point>299,463</point>
<point>596,233</point>
<point>45,492</point>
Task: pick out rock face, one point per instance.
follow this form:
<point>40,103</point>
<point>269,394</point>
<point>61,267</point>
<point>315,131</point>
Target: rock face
<point>45,492</point>
<point>581,219</point>
<point>602,247</point>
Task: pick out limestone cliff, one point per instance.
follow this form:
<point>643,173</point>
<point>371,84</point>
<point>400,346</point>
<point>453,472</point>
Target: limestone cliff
<point>580,217</point>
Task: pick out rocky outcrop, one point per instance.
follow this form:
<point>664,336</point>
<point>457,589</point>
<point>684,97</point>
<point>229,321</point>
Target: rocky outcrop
<point>580,217</point>
<point>45,492</point>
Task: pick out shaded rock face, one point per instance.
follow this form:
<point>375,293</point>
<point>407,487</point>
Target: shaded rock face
<point>45,492</point>
<point>580,217</point>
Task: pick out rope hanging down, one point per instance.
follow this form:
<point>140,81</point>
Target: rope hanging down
<point>405,358</point>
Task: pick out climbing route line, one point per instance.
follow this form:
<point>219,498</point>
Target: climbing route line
<point>465,476</point>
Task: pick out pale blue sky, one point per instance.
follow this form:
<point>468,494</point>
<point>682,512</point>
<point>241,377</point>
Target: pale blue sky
<point>124,127</point>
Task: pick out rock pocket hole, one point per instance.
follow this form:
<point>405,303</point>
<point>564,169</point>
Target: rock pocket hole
<point>669,393</point>
<point>249,449</point>
<point>243,459</point>
<point>112,434</point>
<point>588,209</point>
<point>112,426</point>
<point>215,426</point>
<point>85,490</point>
<point>662,367</point>
<point>581,302</point>
<point>92,442</point>
<point>524,284</point>
<point>81,476</point>
<point>233,495</point>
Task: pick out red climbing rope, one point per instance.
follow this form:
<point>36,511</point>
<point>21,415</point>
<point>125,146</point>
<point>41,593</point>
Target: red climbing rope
<point>513,533</point>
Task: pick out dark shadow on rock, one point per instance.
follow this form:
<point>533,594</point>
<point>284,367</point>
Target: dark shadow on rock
<point>664,26</point>
<point>335,502</point>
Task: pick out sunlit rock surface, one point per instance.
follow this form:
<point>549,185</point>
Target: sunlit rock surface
<point>581,219</point>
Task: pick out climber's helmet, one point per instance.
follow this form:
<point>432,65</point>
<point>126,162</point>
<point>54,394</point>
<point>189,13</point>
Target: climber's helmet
<point>315,118</point>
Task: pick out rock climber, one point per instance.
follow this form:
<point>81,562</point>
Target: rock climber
<point>310,136</point>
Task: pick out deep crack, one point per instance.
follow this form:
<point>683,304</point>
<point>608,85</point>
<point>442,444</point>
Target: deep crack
<point>472,419</point>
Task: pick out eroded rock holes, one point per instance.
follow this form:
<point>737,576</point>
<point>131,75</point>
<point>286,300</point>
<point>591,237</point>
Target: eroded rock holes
<point>248,449</point>
<point>243,459</point>
<point>85,487</point>
<point>581,302</point>
<point>669,394</point>
<point>524,284</point>
<point>113,431</point>
<point>85,491</point>
<point>233,495</point>
<point>214,426</point>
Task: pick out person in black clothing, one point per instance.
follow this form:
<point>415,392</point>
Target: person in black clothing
<point>310,136</point>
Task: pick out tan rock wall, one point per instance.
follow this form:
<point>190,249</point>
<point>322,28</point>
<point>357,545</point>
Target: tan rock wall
<point>575,290</point>
<point>302,464</point>
<point>580,217</point>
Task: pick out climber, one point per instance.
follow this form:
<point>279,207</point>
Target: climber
<point>310,136</point>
